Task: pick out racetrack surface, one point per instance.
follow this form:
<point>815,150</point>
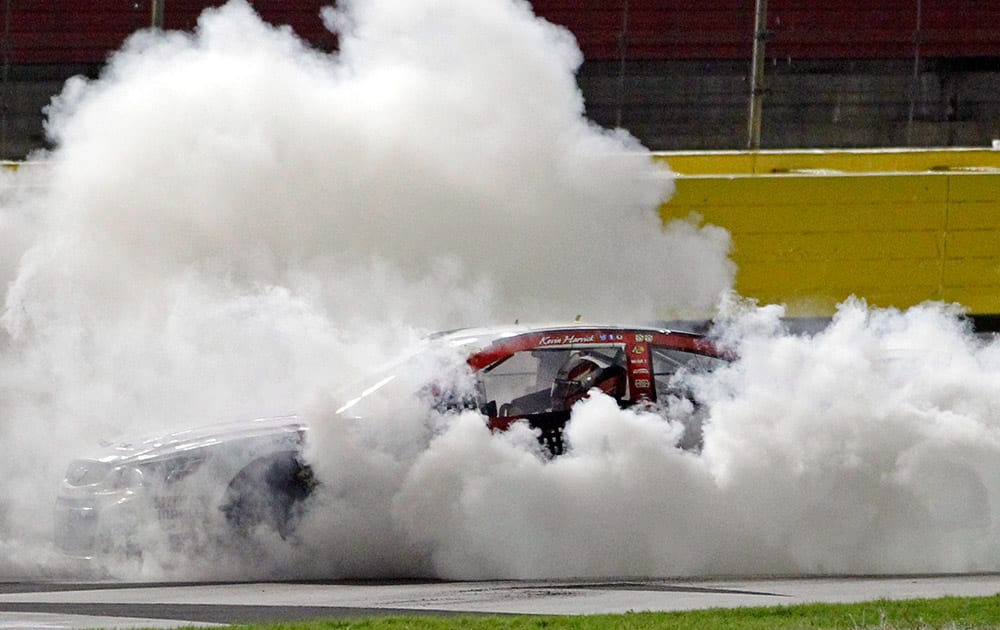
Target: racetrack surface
<point>103,604</point>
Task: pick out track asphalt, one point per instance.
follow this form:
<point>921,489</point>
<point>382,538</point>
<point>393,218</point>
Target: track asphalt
<point>31,605</point>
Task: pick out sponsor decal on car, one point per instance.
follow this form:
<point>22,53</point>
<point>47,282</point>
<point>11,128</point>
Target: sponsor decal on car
<point>568,338</point>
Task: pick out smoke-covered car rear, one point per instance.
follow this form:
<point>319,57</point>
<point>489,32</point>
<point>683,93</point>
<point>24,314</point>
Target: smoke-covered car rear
<point>217,485</point>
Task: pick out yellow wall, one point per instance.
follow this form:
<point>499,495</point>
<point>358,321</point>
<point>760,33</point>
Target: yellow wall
<point>812,228</point>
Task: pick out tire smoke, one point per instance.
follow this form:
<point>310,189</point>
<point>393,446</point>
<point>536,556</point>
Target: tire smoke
<point>234,225</point>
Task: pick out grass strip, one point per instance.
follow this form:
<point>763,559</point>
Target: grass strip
<point>947,613</point>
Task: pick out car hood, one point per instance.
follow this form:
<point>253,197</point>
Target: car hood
<point>194,439</point>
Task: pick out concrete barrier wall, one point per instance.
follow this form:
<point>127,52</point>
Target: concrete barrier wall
<point>813,228</point>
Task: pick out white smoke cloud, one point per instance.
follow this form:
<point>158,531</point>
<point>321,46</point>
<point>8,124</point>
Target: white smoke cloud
<point>442,135</point>
<point>868,444</point>
<point>869,447</point>
<point>231,222</point>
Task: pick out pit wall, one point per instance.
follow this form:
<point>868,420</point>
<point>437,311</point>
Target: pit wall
<point>812,228</point>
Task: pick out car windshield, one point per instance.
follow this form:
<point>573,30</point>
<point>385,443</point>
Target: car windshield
<point>435,372</point>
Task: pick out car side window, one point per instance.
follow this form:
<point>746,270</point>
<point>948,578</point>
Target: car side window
<point>522,384</point>
<point>670,366</point>
<point>675,398</point>
<point>550,380</point>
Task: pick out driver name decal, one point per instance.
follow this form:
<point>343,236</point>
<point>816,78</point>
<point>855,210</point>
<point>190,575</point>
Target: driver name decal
<point>568,338</point>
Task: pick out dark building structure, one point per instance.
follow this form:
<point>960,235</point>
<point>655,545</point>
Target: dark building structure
<point>676,73</point>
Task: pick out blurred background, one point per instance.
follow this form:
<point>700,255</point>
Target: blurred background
<point>678,74</point>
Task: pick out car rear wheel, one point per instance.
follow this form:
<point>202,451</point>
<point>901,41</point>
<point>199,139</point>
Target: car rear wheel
<point>270,492</point>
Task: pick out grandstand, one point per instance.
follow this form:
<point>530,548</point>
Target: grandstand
<point>676,73</point>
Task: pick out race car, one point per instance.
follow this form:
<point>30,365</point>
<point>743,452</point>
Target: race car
<point>235,477</point>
